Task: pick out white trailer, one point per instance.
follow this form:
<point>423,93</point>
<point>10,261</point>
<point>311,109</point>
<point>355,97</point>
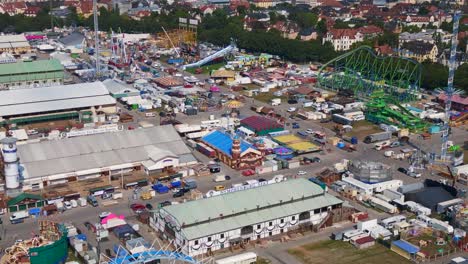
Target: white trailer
<point>82,202</point>
<point>244,258</point>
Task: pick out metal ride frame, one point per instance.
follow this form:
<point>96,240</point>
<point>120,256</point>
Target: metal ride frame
<point>364,72</point>
<point>150,255</point>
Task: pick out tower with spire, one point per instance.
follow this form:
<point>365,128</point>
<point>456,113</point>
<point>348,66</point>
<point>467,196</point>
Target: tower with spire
<point>236,149</point>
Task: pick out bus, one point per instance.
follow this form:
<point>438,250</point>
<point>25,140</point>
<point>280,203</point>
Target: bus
<point>244,258</point>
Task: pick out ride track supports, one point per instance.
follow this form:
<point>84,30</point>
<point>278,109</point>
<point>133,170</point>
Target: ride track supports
<point>362,71</point>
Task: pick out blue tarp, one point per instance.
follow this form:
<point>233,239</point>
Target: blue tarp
<point>223,142</point>
<point>81,237</point>
<point>34,211</point>
<point>406,246</point>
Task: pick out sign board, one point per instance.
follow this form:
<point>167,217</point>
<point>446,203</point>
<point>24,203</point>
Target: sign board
<point>182,20</point>
<point>193,22</point>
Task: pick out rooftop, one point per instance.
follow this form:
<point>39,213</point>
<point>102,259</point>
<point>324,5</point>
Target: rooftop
<point>61,97</point>
<point>237,209</point>
<point>223,142</point>
<point>38,66</point>
<point>259,123</point>
<point>99,151</point>
<point>406,246</point>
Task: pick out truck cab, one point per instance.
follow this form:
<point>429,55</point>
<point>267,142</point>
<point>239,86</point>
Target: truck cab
<point>92,200</point>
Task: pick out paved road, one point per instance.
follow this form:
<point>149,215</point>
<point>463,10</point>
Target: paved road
<point>276,252</point>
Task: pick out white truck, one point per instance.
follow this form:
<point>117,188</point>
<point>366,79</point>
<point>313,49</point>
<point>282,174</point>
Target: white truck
<point>82,202</point>
<point>117,195</point>
<point>74,203</point>
<point>18,217</point>
<point>220,178</point>
<point>275,101</point>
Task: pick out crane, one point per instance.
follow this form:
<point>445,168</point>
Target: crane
<point>449,91</point>
<point>96,37</point>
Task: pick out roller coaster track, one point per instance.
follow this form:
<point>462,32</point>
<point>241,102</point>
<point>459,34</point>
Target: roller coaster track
<point>364,72</point>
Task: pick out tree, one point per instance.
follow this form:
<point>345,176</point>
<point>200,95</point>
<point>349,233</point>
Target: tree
<point>304,20</point>
<point>423,11</point>
<point>445,26</point>
<point>434,75</point>
<point>461,78</point>
<point>340,24</point>
<point>322,27</point>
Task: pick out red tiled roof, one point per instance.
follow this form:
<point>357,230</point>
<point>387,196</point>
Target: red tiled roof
<point>330,3</point>
<point>385,49</point>
<point>340,33</point>
<point>371,29</point>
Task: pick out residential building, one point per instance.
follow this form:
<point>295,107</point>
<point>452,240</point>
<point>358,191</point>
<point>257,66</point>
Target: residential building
<point>14,44</point>
<point>419,50</point>
<point>370,31</point>
<point>308,34</point>
<point>343,39</point>
<point>420,21</point>
<point>424,36</point>
<point>75,101</point>
<point>264,3</point>
<point>108,155</point>
<point>250,213</point>
<point>29,74</point>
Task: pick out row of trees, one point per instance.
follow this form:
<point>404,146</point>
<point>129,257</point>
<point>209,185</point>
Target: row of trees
<point>219,29</point>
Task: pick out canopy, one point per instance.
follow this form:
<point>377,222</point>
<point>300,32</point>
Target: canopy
<point>234,104</point>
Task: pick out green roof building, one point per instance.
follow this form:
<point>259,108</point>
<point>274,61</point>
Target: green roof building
<point>30,74</point>
<point>239,215</point>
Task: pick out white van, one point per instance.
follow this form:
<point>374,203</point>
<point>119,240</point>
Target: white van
<point>150,114</point>
<point>220,178</point>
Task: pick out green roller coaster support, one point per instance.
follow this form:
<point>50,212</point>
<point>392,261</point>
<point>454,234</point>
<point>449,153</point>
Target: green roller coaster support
<point>363,72</point>
<point>379,110</point>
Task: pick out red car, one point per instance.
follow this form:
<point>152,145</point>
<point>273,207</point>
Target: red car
<point>248,172</point>
<point>137,208</point>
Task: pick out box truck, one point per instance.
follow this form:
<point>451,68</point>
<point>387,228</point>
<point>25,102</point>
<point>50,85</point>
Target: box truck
<point>377,137</point>
<point>18,217</point>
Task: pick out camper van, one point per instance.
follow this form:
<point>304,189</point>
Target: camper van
<point>389,222</point>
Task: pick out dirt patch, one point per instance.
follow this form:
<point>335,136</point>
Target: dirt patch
<point>338,252</point>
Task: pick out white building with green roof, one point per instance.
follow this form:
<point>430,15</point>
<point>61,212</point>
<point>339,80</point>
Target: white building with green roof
<point>31,74</point>
<point>209,224</point>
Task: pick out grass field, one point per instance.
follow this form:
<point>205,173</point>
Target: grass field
<point>339,252</point>
<point>208,68</point>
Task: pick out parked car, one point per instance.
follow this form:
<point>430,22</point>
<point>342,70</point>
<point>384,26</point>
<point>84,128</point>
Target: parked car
<point>301,172</point>
<point>309,131</point>
<point>103,215</point>
<point>106,196</point>
<point>149,206</point>
<point>292,101</point>
<point>403,170</point>
<point>261,180</point>
<point>227,177</point>
<point>315,159</point>
<point>137,208</point>
<point>219,187</point>
<point>292,109</point>
<point>67,205</point>
<point>248,172</point>
<point>178,194</point>
<point>295,125</point>
<point>165,203</point>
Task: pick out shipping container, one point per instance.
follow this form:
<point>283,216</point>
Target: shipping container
<point>337,118</point>
<point>204,149</point>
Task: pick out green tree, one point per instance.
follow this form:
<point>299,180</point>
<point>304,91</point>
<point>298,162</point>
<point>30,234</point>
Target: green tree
<point>434,75</point>
<point>322,27</point>
<point>461,78</point>
<point>423,11</point>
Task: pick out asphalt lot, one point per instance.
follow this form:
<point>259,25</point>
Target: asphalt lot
<point>78,216</point>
